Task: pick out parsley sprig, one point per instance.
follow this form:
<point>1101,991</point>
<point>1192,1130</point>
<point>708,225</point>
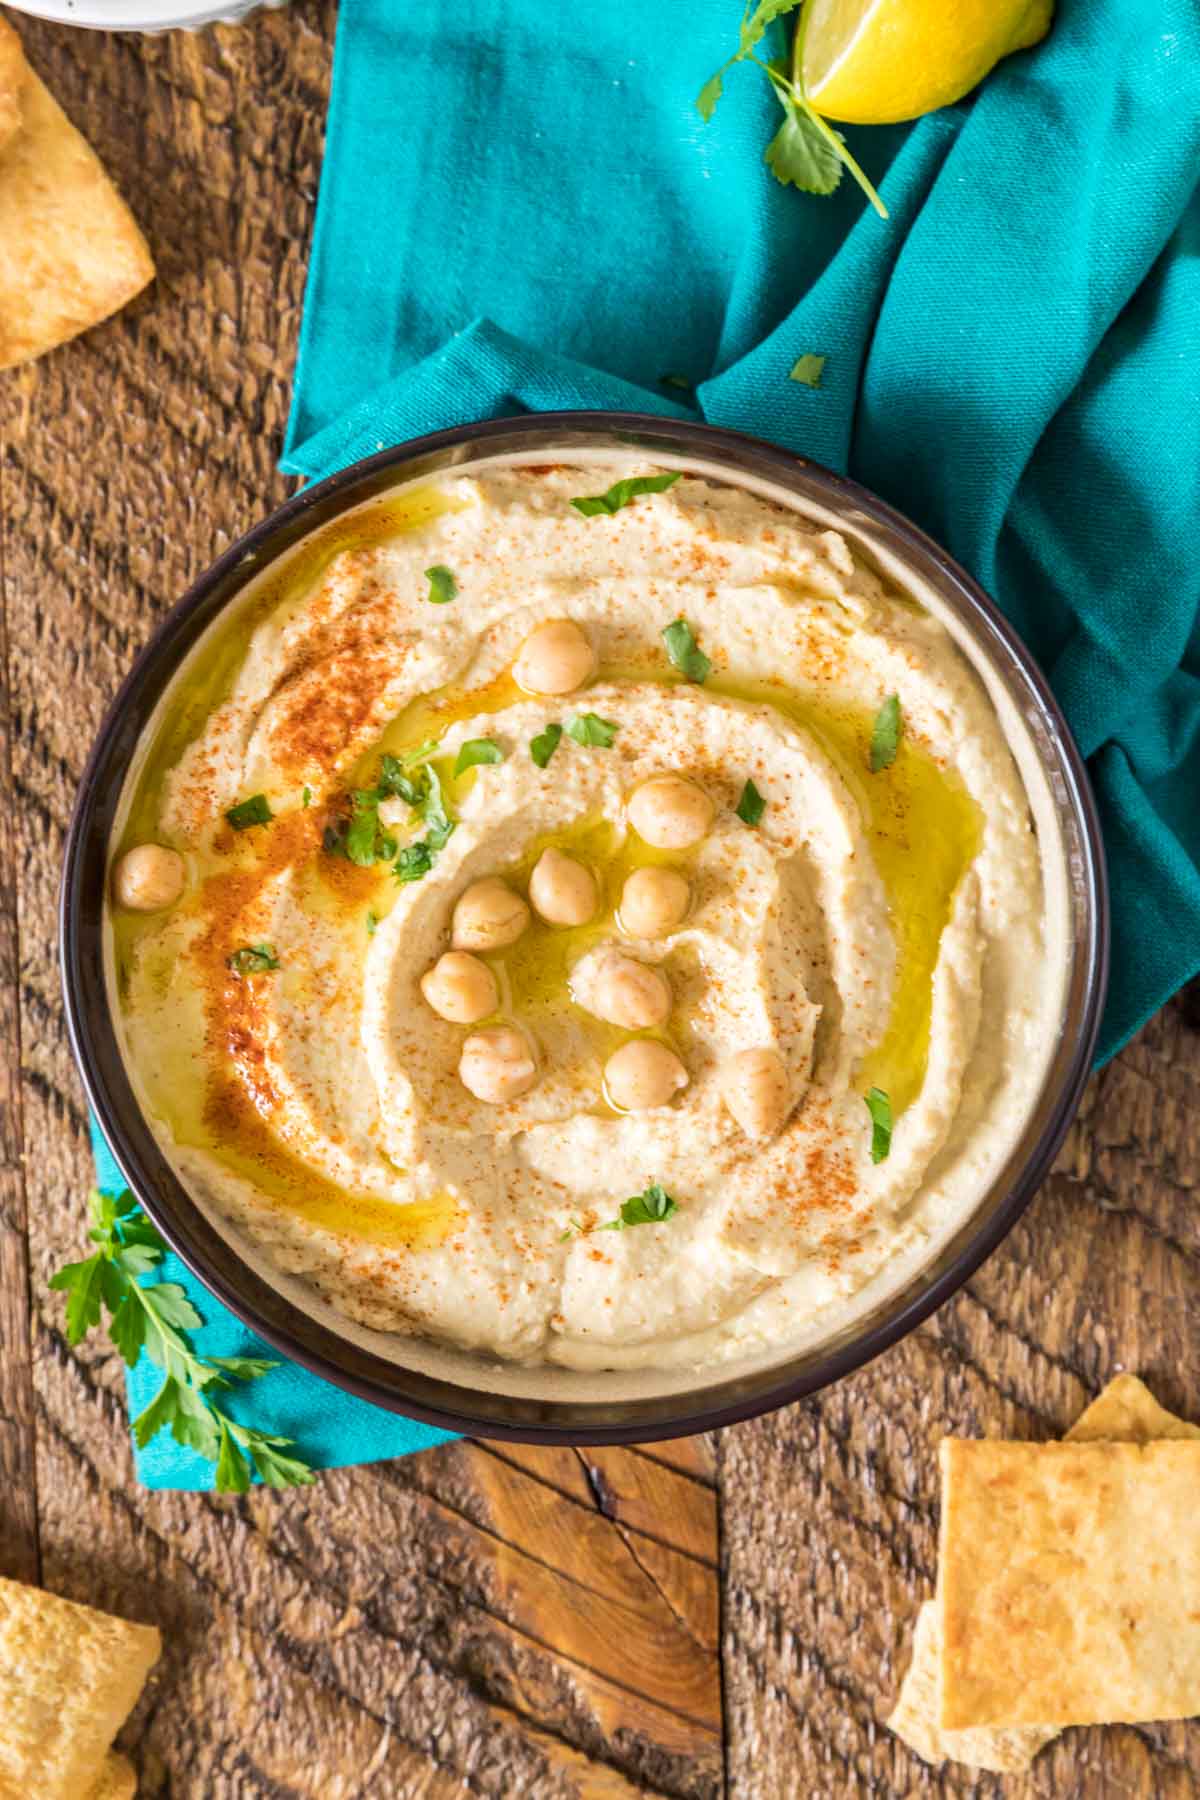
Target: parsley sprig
<point>154,1318</point>
<point>806,151</point>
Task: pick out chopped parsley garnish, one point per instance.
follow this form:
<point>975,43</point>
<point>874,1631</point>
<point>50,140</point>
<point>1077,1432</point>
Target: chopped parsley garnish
<point>254,959</point>
<point>361,838</point>
<point>622,492</point>
<point>254,811</point>
<point>413,862</point>
<point>685,652</point>
<point>306,797</point>
<point>543,746</point>
<point>590,728</point>
<point>478,750</point>
<point>442,585</point>
<point>648,1208</point>
<point>880,1109</point>
<point>651,1207</point>
<point>751,806</point>
<point>885,738</point>
<point>372,922</point>
<point>432,808</point>
<point>807,371</point>
<point>404,777</point>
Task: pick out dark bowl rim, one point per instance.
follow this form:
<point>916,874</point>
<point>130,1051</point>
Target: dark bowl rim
<point>143,1166</point>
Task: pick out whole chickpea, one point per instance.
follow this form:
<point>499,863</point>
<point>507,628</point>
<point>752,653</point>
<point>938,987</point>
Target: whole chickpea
<point>460,988</point>
<point>670,812</point>
<point>557,658</point>
<point>642,1074</point>
<point>756,1089</point>
<point>149,878</point>
<point>630,993</point>
<point>497,1065</point>
<point>563,891</point>
<point>488,916</point>
<point>653,902</point>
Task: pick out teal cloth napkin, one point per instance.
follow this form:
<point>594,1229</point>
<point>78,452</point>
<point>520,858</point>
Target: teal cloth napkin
<point>520,210</point>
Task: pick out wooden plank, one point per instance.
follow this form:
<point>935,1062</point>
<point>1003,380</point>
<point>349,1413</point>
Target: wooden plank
<point>829,1508</point>
<point>18,1510</point>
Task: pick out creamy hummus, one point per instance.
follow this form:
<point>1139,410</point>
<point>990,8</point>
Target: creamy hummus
<point>878,931</point>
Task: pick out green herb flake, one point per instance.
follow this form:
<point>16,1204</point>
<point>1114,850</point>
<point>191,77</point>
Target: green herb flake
<point>254,811</point>
<point>751,806</point>
<point>622,492</point>
<point>543,746</point>
<point>880,1109</point>
<point>649,1208</point>
<point>442,585</point>
<point>807,370</point>
<point>886,734</point>
<point>414,862</point>
<point>306,797</point>
<point>590,728</point>
<point>152,1317</point>
<point>372,924</point>
<point>685,652</point>
<point>477,750</point>
<point>254,959</point>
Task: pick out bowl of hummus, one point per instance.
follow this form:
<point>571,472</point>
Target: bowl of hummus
<point>584,927</point>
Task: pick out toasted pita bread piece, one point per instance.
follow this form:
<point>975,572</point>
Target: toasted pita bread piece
<point>1070,1582</point>
<point>70,252</point>
<point>69,1677</point>
<point>118,1779</point>
<point>1126,1411</point>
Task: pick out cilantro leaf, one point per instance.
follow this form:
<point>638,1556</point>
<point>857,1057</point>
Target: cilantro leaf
<point>651,1207</point>
<point>590,728</point>
<point>807,370</point>
<point>413,862</point>
<point>886,734</point>
<point>81,1282</point>
<point>254,811</point>
<point>754,27</point>
<point>233,1471</point>
<point>433,811</point>
<point>622,492</point>
<point>127,1328</point>
<point>801,153</point>
<point>362,838</point>
<point>880,1109</point>
<point>277,1470</point>
<point>244,1368</point>
<point>751,806</point>
<point>442,585</point>
<point>710,93</point>
<point>543,746</point>
<point>685,652</point>
<point>254,959</point>
<point>478,750</point>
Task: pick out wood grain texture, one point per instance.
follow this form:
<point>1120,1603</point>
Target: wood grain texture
<point>713,1616</point>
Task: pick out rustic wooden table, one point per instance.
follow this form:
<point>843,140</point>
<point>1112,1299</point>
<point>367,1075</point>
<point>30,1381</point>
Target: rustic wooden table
<point>726,1616</point>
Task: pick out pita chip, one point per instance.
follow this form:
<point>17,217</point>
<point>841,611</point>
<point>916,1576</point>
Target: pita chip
<point>118,1779</point>
<point>1125,1411</point>
<point>70,252</point>
<point>69,1677</point>
<point>1069,1580</point>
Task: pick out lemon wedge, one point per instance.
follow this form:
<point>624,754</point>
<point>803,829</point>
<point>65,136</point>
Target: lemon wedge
<point>873,62</point>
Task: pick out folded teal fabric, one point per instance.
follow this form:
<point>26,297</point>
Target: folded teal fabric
<point>521,210</point>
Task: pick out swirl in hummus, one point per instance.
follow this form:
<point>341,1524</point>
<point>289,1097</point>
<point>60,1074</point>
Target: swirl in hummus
<point>425,1021</point>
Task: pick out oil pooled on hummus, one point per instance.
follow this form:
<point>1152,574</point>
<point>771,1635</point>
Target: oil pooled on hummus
<point>874,930</point>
